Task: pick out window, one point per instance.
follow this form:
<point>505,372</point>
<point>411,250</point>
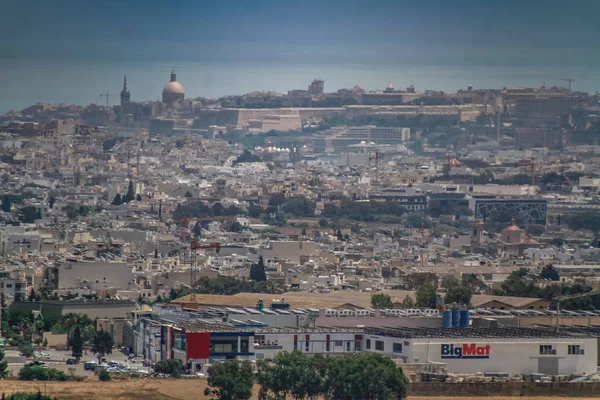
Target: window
<point>368,344</point>
<point>339,343</point>
<point>575,349</point>
<point>379,345</point>
<point>397,348</point>
<point>348,345</point>
<point>546,349</point>
<point>357,346</point>
<point>9,285</point>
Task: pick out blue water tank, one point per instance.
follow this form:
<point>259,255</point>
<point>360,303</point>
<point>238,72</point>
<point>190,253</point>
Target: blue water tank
<point>447,319</point>
<point>455,318</point>
<point>464,318</point>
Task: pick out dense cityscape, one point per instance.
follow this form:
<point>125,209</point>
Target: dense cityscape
<point>439,230</point>
<point>272,200</point>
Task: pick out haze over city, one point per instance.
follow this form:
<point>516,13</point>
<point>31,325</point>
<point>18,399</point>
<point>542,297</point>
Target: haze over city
<point>72,53</point>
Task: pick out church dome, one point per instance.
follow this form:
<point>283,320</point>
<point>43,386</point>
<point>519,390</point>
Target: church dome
<point>173,90</point>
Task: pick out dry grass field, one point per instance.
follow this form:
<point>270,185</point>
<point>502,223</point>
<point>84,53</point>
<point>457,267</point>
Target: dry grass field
<point>163,389</point>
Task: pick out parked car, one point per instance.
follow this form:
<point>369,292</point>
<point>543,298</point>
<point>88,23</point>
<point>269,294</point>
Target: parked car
<point>35,363</point>
<point>72,361</point>
<point>89,365</point>
<point>137,359</point>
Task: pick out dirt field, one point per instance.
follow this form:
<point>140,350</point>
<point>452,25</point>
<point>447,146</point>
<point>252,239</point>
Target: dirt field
<point>163,389</point>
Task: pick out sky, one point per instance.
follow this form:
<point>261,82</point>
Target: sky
<point>70,50</point>
<point>336,30</point>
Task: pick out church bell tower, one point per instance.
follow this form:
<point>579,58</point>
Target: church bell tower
<point>125,95</point>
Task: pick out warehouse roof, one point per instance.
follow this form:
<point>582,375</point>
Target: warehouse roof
<point>335,299</point>
<point>474,333</point>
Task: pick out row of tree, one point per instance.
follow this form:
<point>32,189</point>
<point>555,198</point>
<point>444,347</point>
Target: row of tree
<point>524,283</point>
<point>198,209</point>
<point>520,283</point>
<point>128,197</point>
<point>303,376</point>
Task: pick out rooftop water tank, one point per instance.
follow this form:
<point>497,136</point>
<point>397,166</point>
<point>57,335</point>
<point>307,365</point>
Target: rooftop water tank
<point>447,319</point>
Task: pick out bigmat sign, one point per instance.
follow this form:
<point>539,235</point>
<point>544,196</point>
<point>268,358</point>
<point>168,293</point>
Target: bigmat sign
<point>465,351</point>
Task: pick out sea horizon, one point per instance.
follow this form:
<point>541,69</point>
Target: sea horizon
<point>81,82</point>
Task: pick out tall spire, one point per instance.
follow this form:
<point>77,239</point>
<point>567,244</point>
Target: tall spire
<point>173,76</point>
<point>125,95</point>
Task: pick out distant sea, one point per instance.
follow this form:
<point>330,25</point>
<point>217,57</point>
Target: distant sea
<point>73,82</point>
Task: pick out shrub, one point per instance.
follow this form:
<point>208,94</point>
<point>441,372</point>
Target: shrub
<point>171,366</point>
<point>57,375</point>
<point>35,372</point>
<point>104,376</point>
<point>26,348</point>
<point>27,396</point>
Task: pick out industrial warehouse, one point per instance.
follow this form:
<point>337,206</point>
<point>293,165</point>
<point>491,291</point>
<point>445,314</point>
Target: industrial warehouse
<point>458,342</point>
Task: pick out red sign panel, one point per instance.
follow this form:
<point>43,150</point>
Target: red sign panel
<point>197,345</point>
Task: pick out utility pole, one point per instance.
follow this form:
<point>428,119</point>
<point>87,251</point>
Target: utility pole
<point>498,126</point>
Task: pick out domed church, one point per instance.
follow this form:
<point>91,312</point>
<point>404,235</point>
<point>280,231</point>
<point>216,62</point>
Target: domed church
<point>173,90</point>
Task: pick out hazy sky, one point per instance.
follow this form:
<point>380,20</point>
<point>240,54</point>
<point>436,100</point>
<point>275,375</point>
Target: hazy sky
<point>72,50</point>
<point>479,31</point>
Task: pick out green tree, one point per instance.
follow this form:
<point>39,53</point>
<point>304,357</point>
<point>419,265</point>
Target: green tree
<point>323,223</point>
<point>408,302</point>
<point>138,197</point>
<point>34,372</point>
<point>3,366</point>
<point>6,203</point>
<point>26,348</point>
<point>171,366</point>
<point>104,376</point>
<point>76,343</point>
<point>417,279</point>
<point>426,296</point>
<point>418,220</point>
<point>246,157</point>
<point>130,195</point>
<point>458,294</point>
<point>550,273</point>
<point>188,194</point>
<point>362,376</point>
<point>292,373</point>
<point>230,380</point>
<point>117,201</point>
<point>26,396</point>
<point>29,214</point>
<point>257,271</point>
<point>535,230</point>
<point>102,344</point>
<point>197,229</point>
<point>381,301</point>
<point>236,227</point>
<point>71,211</point>
<point>33,296</point>
<point>339,235</point>
<point>449,281</point>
